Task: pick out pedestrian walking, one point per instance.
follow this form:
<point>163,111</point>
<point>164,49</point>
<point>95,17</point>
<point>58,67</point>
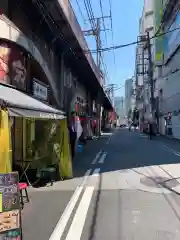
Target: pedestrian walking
<point>150,130</point>
<point>72,133</point>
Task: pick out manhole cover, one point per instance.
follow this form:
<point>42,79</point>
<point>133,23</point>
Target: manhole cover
<point>159,182</point>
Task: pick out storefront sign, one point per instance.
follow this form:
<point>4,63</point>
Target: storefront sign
<point>172,38</point>
<point>39,90</point>
<point>48,115</point>
<point>10,219</point>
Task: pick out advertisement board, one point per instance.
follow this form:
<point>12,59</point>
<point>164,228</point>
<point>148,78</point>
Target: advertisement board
<point>10,213</point>
<point>158,42</point>
<point>12,65</point>
<point>172,38</point>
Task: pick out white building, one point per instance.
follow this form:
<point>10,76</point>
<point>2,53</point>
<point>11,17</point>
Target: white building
<point>119,104</point>
<point>168,80</point>
<point>146,24</point>
<point>128,95</point>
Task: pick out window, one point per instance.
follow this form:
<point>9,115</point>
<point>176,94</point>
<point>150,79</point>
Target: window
<point>148,13</point>
<point>149,29</point>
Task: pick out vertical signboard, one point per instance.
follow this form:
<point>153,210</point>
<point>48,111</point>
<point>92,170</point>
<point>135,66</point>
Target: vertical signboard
<point>10,214</point>
<point>159,41</point>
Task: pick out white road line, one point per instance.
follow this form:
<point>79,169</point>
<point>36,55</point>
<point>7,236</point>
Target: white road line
<point>172,150</point>
<point>102,158</point>
<point>60,227</point>
<point>96,157</point>
<point>96,172</point>
<point>86,177</point>
<point>177,154</point>
<point>109,139</point>
<point>77,225</point>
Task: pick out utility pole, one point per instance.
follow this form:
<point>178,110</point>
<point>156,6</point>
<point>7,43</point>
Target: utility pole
<point>98,43</point>
<point>150,75</point>
<point>97,33</point>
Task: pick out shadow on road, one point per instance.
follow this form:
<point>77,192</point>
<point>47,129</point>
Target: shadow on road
<point>126,150</point>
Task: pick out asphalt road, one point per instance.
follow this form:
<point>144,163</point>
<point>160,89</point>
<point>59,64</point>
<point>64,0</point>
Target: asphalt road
<point>126,187</point>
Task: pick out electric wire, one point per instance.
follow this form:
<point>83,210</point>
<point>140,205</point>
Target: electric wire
<point>110,11</point>
<point>135,42</point>
<point>92,18</point>
<point>101,7</point>
<point>81,13</point>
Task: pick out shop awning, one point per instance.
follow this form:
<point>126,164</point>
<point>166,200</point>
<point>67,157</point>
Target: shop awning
<point>22,105</point>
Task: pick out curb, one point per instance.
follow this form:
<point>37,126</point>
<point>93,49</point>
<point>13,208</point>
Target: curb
<point>170,138</point>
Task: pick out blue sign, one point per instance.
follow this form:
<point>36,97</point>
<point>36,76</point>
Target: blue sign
<point>172,38</point>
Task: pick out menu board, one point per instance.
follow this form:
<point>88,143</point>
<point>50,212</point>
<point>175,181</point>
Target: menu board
<point>10,213</point>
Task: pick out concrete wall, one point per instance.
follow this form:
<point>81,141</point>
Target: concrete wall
<point>70,16</point>
<point>146,25</point>
<point>169,84</point>
<point>12,33</point>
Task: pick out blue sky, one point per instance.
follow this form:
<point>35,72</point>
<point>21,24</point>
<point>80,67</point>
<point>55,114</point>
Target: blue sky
<point>125,16</point>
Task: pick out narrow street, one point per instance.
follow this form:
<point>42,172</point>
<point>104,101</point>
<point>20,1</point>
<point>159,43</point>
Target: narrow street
<point>127,190</point>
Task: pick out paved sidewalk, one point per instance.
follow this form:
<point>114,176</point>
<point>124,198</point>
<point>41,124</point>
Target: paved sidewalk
<point>47,204</point>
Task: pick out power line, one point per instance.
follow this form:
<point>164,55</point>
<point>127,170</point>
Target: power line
<point>101,7</point>
<point>110,9</point>
<point>133,43</point>
<point>82,15</point>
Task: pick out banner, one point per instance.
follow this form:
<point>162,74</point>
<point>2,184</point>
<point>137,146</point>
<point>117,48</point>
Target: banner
<point>159,41</point>
<point>5,143</point>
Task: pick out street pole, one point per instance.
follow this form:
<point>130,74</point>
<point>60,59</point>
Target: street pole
<point>98,43</point>
<point>150,75</point>
<point>96,32</point>
<point>98,46</point>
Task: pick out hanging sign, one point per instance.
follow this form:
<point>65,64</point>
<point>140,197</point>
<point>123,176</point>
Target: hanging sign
<point>39,90</point>
<point>10,213</point>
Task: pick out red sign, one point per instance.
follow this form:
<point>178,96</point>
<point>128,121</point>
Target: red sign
<point>112,116</point>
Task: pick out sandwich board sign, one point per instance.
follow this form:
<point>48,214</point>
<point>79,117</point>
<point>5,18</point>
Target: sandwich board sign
<point>10,211</point>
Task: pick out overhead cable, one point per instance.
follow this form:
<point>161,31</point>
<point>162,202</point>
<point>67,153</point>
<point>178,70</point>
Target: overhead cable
<point>135,42</point>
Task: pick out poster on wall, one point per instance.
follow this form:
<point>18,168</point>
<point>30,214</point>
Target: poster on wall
<point>12,65</point>
<point>4,63</point>
<point>10,213</point>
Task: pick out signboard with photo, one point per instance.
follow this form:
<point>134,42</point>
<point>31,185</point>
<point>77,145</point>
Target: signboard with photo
<point>10,213</point>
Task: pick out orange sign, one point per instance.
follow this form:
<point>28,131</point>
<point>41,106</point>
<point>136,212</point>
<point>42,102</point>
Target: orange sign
<point>9,220</point>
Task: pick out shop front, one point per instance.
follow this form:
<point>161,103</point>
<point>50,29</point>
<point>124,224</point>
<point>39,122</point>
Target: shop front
<point>35,132</point>
<point>79,106</point>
